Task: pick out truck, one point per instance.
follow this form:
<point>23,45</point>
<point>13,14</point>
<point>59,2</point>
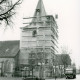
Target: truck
<point>70,72</point>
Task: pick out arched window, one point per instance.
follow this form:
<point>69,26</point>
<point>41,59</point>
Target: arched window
<point>34,33</point>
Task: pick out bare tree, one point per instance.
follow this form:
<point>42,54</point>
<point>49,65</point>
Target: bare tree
<point>65,58</point>
<point>7,10</point>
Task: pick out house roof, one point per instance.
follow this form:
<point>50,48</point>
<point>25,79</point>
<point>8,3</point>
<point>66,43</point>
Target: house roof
<point>9,49</point>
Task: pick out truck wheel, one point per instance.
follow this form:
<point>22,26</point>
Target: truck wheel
<point>74,76</point>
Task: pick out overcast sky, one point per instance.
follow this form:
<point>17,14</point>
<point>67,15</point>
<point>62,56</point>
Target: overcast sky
<point>68,22</point>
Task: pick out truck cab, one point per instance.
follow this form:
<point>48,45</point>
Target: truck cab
<point>70,72</point>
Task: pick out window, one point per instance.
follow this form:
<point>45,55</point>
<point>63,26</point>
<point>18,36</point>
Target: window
<point>34,33</point>
<point>37,10</point>
<point>48,17</point>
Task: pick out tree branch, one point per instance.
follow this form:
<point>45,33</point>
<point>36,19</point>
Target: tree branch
<point>9,7</point>
<point>2,1</point>
<point>17,3</point>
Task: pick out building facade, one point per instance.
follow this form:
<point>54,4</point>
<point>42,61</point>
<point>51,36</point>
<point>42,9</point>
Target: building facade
<point>38,44</point>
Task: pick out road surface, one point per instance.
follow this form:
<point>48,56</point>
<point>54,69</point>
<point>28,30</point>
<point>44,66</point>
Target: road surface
<point>9,78</point>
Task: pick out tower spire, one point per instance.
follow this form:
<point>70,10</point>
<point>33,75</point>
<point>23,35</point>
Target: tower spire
<point>40,10</point>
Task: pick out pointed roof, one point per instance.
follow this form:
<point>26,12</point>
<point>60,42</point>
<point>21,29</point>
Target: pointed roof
<point>40,10</point>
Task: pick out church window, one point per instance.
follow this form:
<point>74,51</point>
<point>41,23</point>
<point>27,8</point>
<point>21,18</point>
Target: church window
<point>34,33</point>
<point>48,17</point>
<point>38,10</point>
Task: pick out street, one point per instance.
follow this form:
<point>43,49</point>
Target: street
<point>9,78</point>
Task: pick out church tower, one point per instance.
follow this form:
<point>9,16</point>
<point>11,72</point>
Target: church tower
<point>38,44</point>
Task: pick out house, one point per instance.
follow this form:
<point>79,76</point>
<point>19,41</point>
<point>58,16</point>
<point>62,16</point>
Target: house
<point>9,53</point>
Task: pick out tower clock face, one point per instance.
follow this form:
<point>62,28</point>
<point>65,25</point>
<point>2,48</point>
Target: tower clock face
<point>34,33</point>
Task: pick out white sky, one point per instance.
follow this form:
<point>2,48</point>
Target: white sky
<point>68,22</point>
